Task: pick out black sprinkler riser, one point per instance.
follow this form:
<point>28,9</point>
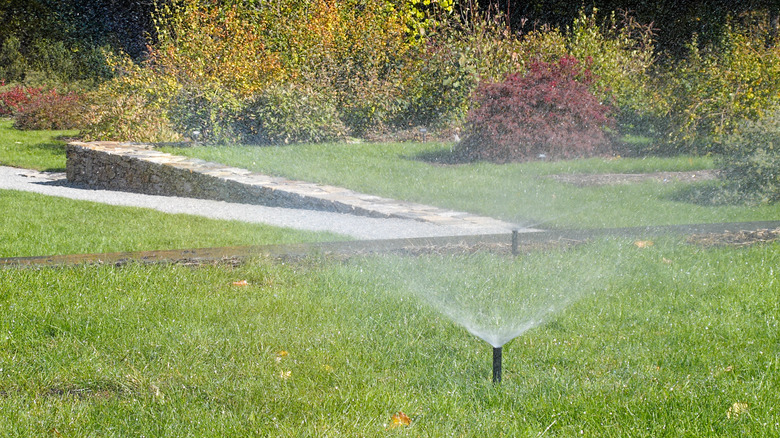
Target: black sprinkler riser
<point>497,364</point>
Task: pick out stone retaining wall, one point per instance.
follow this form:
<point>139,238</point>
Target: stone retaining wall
<point>138,168</point>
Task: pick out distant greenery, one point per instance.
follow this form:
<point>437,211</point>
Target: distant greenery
<point>682,340</point>
<point>519,192</point>
<point>38,225</point>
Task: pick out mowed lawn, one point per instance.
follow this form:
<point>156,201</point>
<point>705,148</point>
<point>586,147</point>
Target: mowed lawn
<point>677,340</point>
<point>39,225</point>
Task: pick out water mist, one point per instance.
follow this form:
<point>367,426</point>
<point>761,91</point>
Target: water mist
<point>497,297</point>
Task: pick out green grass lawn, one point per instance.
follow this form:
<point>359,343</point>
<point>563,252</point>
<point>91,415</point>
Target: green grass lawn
<point>674,340</point>
<point>520,193</point>
<point>37,225</point>
<point>40,150</point>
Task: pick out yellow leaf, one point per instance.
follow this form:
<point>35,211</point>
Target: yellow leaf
<point>284,375</point>
<point>398,420</point>
<point>240,283</point>
<point>643,243</point>
<point>736,410</point>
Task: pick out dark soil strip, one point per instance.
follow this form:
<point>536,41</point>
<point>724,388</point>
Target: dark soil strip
<point>737,231</point>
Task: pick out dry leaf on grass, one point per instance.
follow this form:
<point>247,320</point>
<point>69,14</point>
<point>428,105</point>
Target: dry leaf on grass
<point>398,420</point>
<point>736,410</point>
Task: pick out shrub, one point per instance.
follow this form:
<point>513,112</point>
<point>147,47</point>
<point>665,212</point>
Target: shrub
<point>15,97</point>
<point>292,113</point>
<point>50,110</point>
<point>126,117</point>
<point>549,110</point>
<point>717,88</point>
<point>438,78</point>
<point>209,110</point>
<point>12,63</point>
<point>622,51</point>
<point>751,163</point>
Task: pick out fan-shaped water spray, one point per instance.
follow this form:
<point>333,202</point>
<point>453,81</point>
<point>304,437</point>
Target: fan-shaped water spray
<point>498,298</point>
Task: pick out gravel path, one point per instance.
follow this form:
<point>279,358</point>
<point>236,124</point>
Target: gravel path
<point>364,228</point>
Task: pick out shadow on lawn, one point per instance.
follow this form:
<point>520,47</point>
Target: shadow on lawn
<point>442,157</point>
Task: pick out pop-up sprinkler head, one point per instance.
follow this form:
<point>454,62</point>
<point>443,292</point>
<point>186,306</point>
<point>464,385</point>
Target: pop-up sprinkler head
<point>497,364</point>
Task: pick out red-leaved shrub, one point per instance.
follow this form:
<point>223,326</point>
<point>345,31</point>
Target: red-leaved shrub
<point>14,98</point>
<point>549,111</point>
<point>50,110</point>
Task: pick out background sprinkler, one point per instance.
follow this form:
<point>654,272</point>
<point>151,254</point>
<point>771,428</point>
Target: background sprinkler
<point>497,364</point>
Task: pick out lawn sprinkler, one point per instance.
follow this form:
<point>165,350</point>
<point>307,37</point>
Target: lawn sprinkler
<point>497,364</point>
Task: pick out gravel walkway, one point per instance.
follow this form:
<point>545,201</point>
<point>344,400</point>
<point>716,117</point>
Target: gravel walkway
<point>364,228</point>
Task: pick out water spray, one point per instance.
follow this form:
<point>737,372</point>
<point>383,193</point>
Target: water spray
<point>497,364</point>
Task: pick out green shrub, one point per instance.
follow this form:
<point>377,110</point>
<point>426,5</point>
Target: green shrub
<point>12,63</point>
<point>751,161</point>
<point>716,89</point>
<point>133,106</point>
<point>622,51</point>
<point>291,113</point>
<point>209,110</point>
<point>50,110</point>
<point>125,117</point>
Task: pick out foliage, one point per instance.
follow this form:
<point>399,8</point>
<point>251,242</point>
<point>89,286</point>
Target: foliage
<point>751,162</point>
<point>292,113</point>
<point>14,97</point>
<point>355,48</point>
<point>125,117</point>
<point>549,111</point>
<point>12,63</point>
<point>219,47</point>
<point>622,51</point>
<point>716,89</point>
<point>439,78</point>
<point>133,106</point>
<point>50,110</point>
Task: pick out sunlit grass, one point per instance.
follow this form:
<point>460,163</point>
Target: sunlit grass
<point>40,150</point>
<point>667,346</point>
<point>38,225</point>
<point>521,193</point>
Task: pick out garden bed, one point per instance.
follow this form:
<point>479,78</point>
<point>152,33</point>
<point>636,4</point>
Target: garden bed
<point>601,179</point>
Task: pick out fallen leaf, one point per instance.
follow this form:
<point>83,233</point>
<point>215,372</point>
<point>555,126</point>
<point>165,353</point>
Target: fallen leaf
<point>284,375</point>
<point>667,261</point>
<point>736,410</point>
<point>643,243</point>
<point>240,283</point>
<point>398,420</point>
<point>280,355</point>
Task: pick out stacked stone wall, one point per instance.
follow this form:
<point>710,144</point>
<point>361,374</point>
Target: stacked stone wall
<point>138,168</point>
